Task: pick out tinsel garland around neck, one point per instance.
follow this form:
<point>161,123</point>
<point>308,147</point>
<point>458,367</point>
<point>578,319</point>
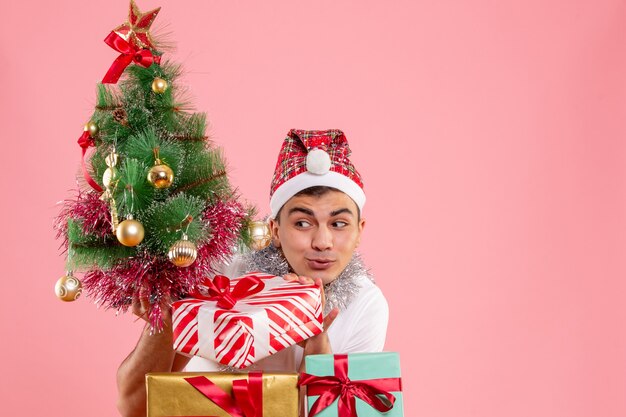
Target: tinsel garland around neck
<point>339,293</point>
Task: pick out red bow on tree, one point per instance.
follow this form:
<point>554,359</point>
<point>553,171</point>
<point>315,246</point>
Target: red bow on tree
<point>129,52</point>
<point>85,141</point>
<point>374,392</point>
<point>219,290</point>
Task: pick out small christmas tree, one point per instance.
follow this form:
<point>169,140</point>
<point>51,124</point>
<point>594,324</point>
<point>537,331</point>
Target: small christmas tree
<point>157,211</point>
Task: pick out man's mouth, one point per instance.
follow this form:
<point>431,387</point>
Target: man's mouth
<point>319,264</point>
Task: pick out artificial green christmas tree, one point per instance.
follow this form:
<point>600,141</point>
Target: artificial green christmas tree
<point>156,211</point>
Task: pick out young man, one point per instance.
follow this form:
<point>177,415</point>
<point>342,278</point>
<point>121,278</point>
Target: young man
<point>316,203</point>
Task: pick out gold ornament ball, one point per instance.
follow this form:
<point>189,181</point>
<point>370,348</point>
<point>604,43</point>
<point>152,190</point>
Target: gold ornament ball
<point>159,85</point>
<point>129,232</point>
<point>260,235</point>
<point>182,253</point>
<point>161,176</point>
<point>68,288</point>
<point>92,128</point>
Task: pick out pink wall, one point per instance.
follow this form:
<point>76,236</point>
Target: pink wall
<point>491,136</point>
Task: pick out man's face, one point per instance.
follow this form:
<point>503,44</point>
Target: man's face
<point>318,235</point>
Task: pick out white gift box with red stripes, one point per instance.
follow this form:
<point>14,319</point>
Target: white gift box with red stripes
<point>258,325</point>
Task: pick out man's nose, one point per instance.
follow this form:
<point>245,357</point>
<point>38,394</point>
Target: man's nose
<point>323,238</point>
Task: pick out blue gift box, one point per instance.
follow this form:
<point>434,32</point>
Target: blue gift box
<point>374,377</point>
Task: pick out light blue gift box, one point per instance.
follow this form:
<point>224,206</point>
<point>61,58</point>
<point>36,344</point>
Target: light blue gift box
<point>361,366</point>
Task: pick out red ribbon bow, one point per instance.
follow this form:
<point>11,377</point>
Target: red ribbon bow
<point>219,290</point>
<point>374,392</point>
<point>85,141</point>
<point>248,394</point>
<point>128,53</point>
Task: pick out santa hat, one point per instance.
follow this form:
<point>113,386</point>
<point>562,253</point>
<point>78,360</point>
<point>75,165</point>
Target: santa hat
<point>310,158</point>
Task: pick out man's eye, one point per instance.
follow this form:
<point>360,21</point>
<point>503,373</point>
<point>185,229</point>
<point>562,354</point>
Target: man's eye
<point>340,224</point>
<point>302,223</point>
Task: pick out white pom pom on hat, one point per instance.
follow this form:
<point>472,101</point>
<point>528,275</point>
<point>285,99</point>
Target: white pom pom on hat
<point>318,161</point>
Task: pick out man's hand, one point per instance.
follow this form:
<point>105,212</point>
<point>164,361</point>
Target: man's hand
<point>142,307</point>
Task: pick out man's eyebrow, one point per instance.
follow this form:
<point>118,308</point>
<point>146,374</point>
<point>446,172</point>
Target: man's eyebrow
<point>343,210</point>
<point>301,210</point>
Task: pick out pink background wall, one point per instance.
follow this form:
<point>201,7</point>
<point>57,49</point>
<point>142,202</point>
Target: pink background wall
<point>491,135</point>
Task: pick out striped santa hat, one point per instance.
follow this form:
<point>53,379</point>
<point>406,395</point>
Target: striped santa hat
<point>310,158</point>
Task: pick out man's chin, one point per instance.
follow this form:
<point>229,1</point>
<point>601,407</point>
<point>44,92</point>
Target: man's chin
<point>326,275</point>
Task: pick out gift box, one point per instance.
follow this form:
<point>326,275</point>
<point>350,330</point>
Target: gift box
<point>222,395</point>
<point>237,322</point>
<point>358,384</point>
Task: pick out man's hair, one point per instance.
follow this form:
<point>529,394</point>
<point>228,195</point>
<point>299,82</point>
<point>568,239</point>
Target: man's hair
<point>317,191</point>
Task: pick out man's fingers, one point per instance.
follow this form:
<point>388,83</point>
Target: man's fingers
<point>301,279</point>
<point>290,277</point>
<point>137,306</point>
<point>145,303</point>
<point>330,318</point>
<point>320,283</point>
<point>144,297</point>
<point>305,280</point>
<point>141,303</point>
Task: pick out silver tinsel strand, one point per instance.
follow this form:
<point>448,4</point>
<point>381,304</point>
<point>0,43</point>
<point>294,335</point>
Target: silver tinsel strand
<point>339,293</point>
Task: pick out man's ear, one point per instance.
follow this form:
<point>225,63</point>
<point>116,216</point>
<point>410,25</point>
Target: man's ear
<point>361,227</point>
<point>275,235</point>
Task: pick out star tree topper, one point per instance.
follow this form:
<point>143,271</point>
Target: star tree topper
<point>135,30</point>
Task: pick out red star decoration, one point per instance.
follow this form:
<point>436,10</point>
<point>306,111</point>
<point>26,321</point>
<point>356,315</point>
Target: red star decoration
<point>135,30</point>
